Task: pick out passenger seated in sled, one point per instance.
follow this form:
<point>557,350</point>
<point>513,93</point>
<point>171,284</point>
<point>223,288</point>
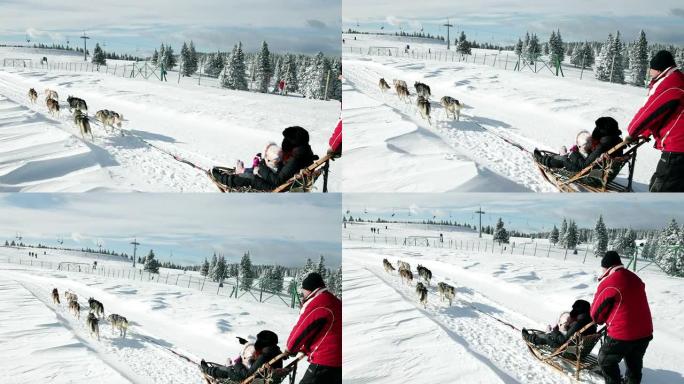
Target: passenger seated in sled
<point>253,357</point>
<point>589,147</point>
<point>296,155</point>
<point>569,323</point>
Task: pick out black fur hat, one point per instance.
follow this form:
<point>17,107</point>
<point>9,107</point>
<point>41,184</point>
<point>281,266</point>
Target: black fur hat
<point>294,137</point>
<point>265,338</point>
<point>579,307</point>
<point>662,61</point>
<point>605,126</point>
<point>611,259</point>
<point>313,281</point>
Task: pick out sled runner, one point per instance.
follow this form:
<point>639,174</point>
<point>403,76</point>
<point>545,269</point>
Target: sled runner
<point>600,175</point>
<point>264,375</point>
<point>575,354</point>
<point>301,182</point>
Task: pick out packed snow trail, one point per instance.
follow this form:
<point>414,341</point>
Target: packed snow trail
<point>471,137</point>
<point>496,345</point>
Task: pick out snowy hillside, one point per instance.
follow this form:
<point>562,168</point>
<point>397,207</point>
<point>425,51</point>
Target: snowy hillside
<point>205,125</point>
<point>394,149</point>
<point>43,342</point>
<point>466,342</point>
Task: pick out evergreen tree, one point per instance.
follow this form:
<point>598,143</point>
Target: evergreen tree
<point>583,56</point>
<point>610,63</point>
<point>290,74</point>
<point>463,46</point>
<point>185,60</point>
<point>562,233</point>
<point>571,236</point>
<point>212,267</point>
<point>99,55</point>
<point>193,59</point>
<point>500,233</point>
<point>151,264</point>
<point>553,236</point>
<point>205,268</point>
<point>220,269</point>
<point>519,47</point>
<point>169,58</point>
<point>627,243</point>
<point>601,238</point>
<point>235,75</point>
<point>321,268</point>
<point>264,71</point>
<point>277,277</point>
<point>556,47</point>
<point>155,57</point>
<point>639,62</point>
<point>533,49</point>
<point>670,253</point>
<point>315,77</point>
<point>246,272</point>
<point>680,58</point>
<point>215,64</point>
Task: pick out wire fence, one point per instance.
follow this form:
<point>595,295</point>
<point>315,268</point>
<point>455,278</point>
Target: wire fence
<point>236,287</point>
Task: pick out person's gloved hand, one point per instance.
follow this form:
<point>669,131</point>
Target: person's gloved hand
<point>574,148</point>
<point>256,160</point>
<point>237,361</point>
<point>629,139</point>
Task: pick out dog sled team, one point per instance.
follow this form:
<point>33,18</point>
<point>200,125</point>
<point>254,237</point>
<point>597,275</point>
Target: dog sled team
<point>96,313</point>
<point>79,108</point>
<point>451,105</point>
<point>446,291</point>
<point>317,335</point>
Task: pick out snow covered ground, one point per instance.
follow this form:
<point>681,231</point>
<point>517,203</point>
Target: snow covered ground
<point>394,149</point>
<point>389,337</point>
<point>44,343</point>
<point>206,125</point>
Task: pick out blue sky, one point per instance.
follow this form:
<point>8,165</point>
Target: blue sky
<point>305,26</point>
<point>526,212</point>
<point>282,229</point>
<point>502,21</point>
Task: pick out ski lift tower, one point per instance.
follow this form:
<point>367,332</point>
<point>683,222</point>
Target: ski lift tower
<point>85,46</point>
<point>448,25</point>
<point>480,212</point>
<point>135,248</point>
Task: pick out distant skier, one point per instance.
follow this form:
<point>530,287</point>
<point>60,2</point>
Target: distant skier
<point>281,86</point>
<point>162,71</point>
<point>621,303</point>
<point>318,332</point>
<point>662,117</point>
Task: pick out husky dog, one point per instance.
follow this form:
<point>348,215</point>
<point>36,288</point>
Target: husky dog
<point>76,103</point>
<point>118,322</point>
<point>452,106</point>
<point>75,308</point>
<point>52,106</point>
<point>403,265</point>
<point>93,325</point>
<point>388,266</point>
<point>96,306</point>
<point>422,293</point>
<point>403,93</point>
<point>383,85</point>
<point>109,118</point>
<point>424,108</point>
<point>422,89</point>
<point>33,95</point>
<point>446,291</point>
<point>398,83</point>
<point>424,274</point>
<point>55,296</point>
<point>70,296</point>
<point>50,94</point>
<point>83,124</point>
<point>406,275</point>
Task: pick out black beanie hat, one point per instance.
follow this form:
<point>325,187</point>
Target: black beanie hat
<point>294,137</point>
<point>579,307</point>
<point>605,126</point>
<point>312,282</point>
<point>265,338</point>
<point>610,259</point>
<point>662,61</point>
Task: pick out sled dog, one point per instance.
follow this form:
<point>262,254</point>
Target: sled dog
<point>93,325</point>
<point>406,275</point>
<point>403,93</point>
<point>83,124</point>
<point>383,85</point>
<point>424,274</point>
<point>76,103</point>
<point>422,293</point>
<point>398,83</point>
<point>96,306</point>
<point>452,106</point>
<point>50,94</point>
<point>446,291</point>
<point>424,108</point>
<point>52,106</point>
<point>388,266</point>
<point>422,89</point>
<point>109,118</point>
<point>55,296</point>
<point>403,265</point>
<point>75,308</point>
<point>32,95</point>
<point>118,322</point>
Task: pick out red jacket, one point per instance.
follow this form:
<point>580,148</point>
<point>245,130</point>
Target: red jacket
<point>621,303</point>
<point>661,115</point>
<point>335,141</point>
<point>318,332</point>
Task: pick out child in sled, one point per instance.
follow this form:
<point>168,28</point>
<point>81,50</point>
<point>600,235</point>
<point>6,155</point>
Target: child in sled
<point>264,350</point>
<point>568,324</point>
<point>588,148</point>
<point>271,157</point>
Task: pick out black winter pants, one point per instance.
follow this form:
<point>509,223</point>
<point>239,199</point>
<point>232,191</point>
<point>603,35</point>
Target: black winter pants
<point>669,174</point>
<point>612,351</point>
<point>321,374</point>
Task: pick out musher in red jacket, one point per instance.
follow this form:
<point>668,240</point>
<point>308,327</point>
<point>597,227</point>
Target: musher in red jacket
<point>620,302</point>
<point>318,332</point>
<point>663,117</point>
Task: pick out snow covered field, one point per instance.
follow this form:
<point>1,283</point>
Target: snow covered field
<point>44,343</point>
<point>394,149</point>
<point>389,337</point>
<point>205,125</point>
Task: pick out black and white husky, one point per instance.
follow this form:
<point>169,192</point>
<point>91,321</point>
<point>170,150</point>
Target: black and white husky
<point>118,322</point>
<point>76,103</point>
<point>424,108</point>
<point>93,325</point>
<point>96,307</point>
<point>452,106</point>
<point>83,123</point>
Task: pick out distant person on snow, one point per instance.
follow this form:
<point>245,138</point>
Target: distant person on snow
<point>587,149</point>
<point>662,116</point>
<point>296,155</point>
<point>318,332</point>
<point>264,350</point>
<point>620,302</point>
<point>568,324</point>
<point>162,72</point>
